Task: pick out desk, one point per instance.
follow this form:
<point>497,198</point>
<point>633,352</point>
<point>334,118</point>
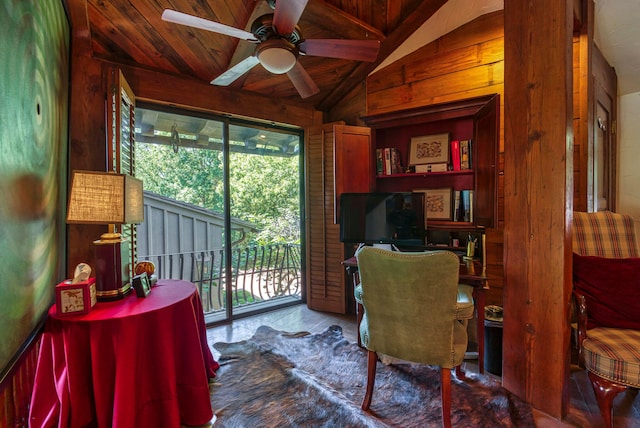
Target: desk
<point>135,362</point>
<point>471,273</point>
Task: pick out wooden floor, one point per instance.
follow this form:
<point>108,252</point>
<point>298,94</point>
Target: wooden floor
<point>583,408</point>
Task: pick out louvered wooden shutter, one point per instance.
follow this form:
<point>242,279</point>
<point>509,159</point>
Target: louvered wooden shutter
<point>121,132</point>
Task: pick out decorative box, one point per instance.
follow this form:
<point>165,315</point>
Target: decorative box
<point>78,298</point>
<point>431,167</point>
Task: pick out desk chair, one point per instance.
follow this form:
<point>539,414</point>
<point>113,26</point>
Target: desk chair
<point>605,278</point>
<point>411,312</point>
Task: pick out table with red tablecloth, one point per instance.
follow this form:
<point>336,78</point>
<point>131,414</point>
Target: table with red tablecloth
<point>134,362</point>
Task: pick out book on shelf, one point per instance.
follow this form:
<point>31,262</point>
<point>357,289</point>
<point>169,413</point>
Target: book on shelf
<point>396,164</point>
<point>466,206</point>
<point>456,205</point>
<point>387,161</point>
<point>465,154</point>
<point>455,155</point>
<point>379,162</point>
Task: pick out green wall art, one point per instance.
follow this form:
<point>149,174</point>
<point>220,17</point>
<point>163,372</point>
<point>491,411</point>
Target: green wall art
<point>34,92</point>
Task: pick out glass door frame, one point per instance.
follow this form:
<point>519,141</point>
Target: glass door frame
<point>227,121</point>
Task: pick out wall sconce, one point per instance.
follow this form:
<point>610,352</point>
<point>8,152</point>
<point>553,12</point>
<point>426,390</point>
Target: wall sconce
<point>113,199</point>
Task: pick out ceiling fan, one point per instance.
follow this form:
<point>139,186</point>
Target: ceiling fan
<point>278,43</point>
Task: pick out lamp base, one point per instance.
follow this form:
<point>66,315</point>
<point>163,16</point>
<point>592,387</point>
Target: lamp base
<point>110,295</point>
<point>113,276</point>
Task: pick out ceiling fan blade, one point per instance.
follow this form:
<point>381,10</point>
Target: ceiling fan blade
<point>287,14</point>
<point>303,83</point>
<point>204,24</point>
<point>358,50</point>
<point>230,76</point>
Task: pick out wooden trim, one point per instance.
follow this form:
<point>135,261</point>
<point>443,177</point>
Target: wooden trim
<point>17,381</point>
<point>160,88</point>
<point>583,142</point>
<point>410,24</point>
<point>429,113</point>
<point>79,19</point>
<point>23,353</point>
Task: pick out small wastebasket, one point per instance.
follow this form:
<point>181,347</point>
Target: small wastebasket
<point>493,340</point>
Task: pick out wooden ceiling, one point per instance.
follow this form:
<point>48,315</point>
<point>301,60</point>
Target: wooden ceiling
<point>131,32</point>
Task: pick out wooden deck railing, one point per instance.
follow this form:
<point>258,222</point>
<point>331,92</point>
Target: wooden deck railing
<point>259,274</point>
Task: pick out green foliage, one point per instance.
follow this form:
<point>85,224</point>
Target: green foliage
<point>191,175</point>
<point>265,190</point>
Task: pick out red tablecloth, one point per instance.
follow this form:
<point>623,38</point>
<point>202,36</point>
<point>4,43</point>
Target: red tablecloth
<point>135,362</point>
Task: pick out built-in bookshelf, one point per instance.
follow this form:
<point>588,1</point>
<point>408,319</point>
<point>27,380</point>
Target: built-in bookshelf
<point>450,152</point>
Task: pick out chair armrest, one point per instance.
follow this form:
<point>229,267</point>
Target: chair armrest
<point>581,315</point>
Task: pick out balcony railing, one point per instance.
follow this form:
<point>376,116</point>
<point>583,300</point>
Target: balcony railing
<point>259,274</point>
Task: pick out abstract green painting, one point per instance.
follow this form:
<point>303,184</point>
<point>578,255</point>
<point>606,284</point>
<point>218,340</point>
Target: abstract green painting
<point>34,92</point>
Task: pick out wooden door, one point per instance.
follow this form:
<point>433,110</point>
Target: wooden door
<point>601,195</point>
<point>353,162</point>
<point>485,153</point>
<point>338,160</point>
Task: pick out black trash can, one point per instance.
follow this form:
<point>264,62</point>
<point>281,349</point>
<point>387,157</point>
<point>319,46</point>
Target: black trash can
<point>493,347</point>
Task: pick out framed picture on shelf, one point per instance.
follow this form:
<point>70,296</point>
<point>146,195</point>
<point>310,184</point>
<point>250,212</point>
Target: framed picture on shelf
<point>437,203</point>
<point>429,149</point>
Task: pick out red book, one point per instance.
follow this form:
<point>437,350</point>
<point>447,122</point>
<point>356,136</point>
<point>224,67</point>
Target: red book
<point>455,155</point>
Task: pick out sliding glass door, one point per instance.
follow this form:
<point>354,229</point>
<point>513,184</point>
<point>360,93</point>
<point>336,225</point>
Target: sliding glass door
<point>264,190</point>
<point>222,208</point>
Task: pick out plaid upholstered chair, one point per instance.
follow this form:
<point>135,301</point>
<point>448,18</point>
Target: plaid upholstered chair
<point>413,312</point>
<point>606,277</point>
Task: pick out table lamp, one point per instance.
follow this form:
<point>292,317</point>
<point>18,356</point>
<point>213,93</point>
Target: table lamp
<point>113,199</point>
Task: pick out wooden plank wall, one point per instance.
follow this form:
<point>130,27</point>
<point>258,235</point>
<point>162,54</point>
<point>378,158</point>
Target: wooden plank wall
<point>582,87</point>
<point>465,63</point>
<point>15,392</point>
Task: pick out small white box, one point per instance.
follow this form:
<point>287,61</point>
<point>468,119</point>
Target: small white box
<point>431,167</point>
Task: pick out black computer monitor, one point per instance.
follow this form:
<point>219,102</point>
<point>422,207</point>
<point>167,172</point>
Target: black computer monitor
<point>382,218</point>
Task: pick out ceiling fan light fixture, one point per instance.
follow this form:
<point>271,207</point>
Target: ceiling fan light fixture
<point>277,55</point>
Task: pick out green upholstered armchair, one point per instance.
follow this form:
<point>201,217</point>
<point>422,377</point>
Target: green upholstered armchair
<point>606,270</point>
<point>412,312</point>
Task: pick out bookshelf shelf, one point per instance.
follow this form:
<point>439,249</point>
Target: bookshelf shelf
<point>445,247</point>
<point>472,123</point>
<point>425,174</point>
<point>461,226</point>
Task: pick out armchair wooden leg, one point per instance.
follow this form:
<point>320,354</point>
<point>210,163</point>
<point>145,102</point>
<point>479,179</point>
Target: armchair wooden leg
<point>445,393</point>
<point>605,391</point>
<point>372,362</point>
<point>459,372</point>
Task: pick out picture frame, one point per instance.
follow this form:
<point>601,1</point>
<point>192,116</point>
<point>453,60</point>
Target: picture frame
<point>438,203</point>
<point>429,149</point>
<point>141,285</point>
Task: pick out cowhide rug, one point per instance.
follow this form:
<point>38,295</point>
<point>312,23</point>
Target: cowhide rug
<point>279,379</point>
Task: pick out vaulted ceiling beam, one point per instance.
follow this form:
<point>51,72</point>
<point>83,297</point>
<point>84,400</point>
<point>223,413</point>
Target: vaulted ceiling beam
<point>409,25</point>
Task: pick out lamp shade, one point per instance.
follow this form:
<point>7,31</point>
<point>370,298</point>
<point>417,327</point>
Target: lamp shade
<point>105,198</point>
